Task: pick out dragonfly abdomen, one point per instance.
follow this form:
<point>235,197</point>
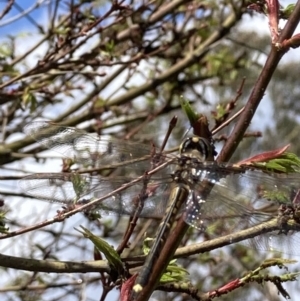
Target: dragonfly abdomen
<point>179,193</point>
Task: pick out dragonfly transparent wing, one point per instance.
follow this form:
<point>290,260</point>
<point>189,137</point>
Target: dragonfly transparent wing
<point>75,189</point>
<point>129,161</point>
<point>244,200</point>
<point>88,149</point>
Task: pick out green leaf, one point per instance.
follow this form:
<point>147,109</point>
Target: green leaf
<point>280,262</point>
<point>278,196</point>
<point>109,252</point>
<point>5,51</point>
<point>147,245</point>
<point>286,12</point>
<point>109,46</point>
<point>189,111</point>
<point>79,184</point>
<point>3,228</point>
<point>29,100</point>
<point>220,111</point>
<point>286,163</point>
<point>174,273</point>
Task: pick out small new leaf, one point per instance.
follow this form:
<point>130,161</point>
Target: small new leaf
<point>280,262</point>
<point>29,100</point>
<point>275,161</point>
<point>286,163</point>
<point>79,184</point>
<point>278,196</point>
<point>174,273</point>
<point>285,13</point>
<point>189,111</point>
<point>147,245</point>
<point>3,228</point>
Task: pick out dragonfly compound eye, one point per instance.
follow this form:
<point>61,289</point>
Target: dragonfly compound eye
<point>196,147</point>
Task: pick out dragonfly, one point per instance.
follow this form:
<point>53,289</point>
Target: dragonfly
<point>129,178</point>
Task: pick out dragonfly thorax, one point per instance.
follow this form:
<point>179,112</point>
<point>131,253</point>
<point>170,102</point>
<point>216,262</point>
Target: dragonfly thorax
<point>193,150</point>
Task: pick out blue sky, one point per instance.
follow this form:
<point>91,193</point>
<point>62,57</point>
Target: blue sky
<point>22,23</point>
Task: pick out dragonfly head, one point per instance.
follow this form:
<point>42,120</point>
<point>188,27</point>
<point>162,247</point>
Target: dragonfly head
<point>198,148</point>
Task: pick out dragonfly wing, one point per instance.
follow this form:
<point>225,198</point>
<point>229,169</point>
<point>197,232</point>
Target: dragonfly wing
<point>71,188</point>
<point>129,161</point>
<point>240,201</point>
<point>88,149</point>
<point>147,202</point>
<point>64,188</point>
<point>276,242</point>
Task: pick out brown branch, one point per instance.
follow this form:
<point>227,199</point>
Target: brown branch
<point>259,89</point>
